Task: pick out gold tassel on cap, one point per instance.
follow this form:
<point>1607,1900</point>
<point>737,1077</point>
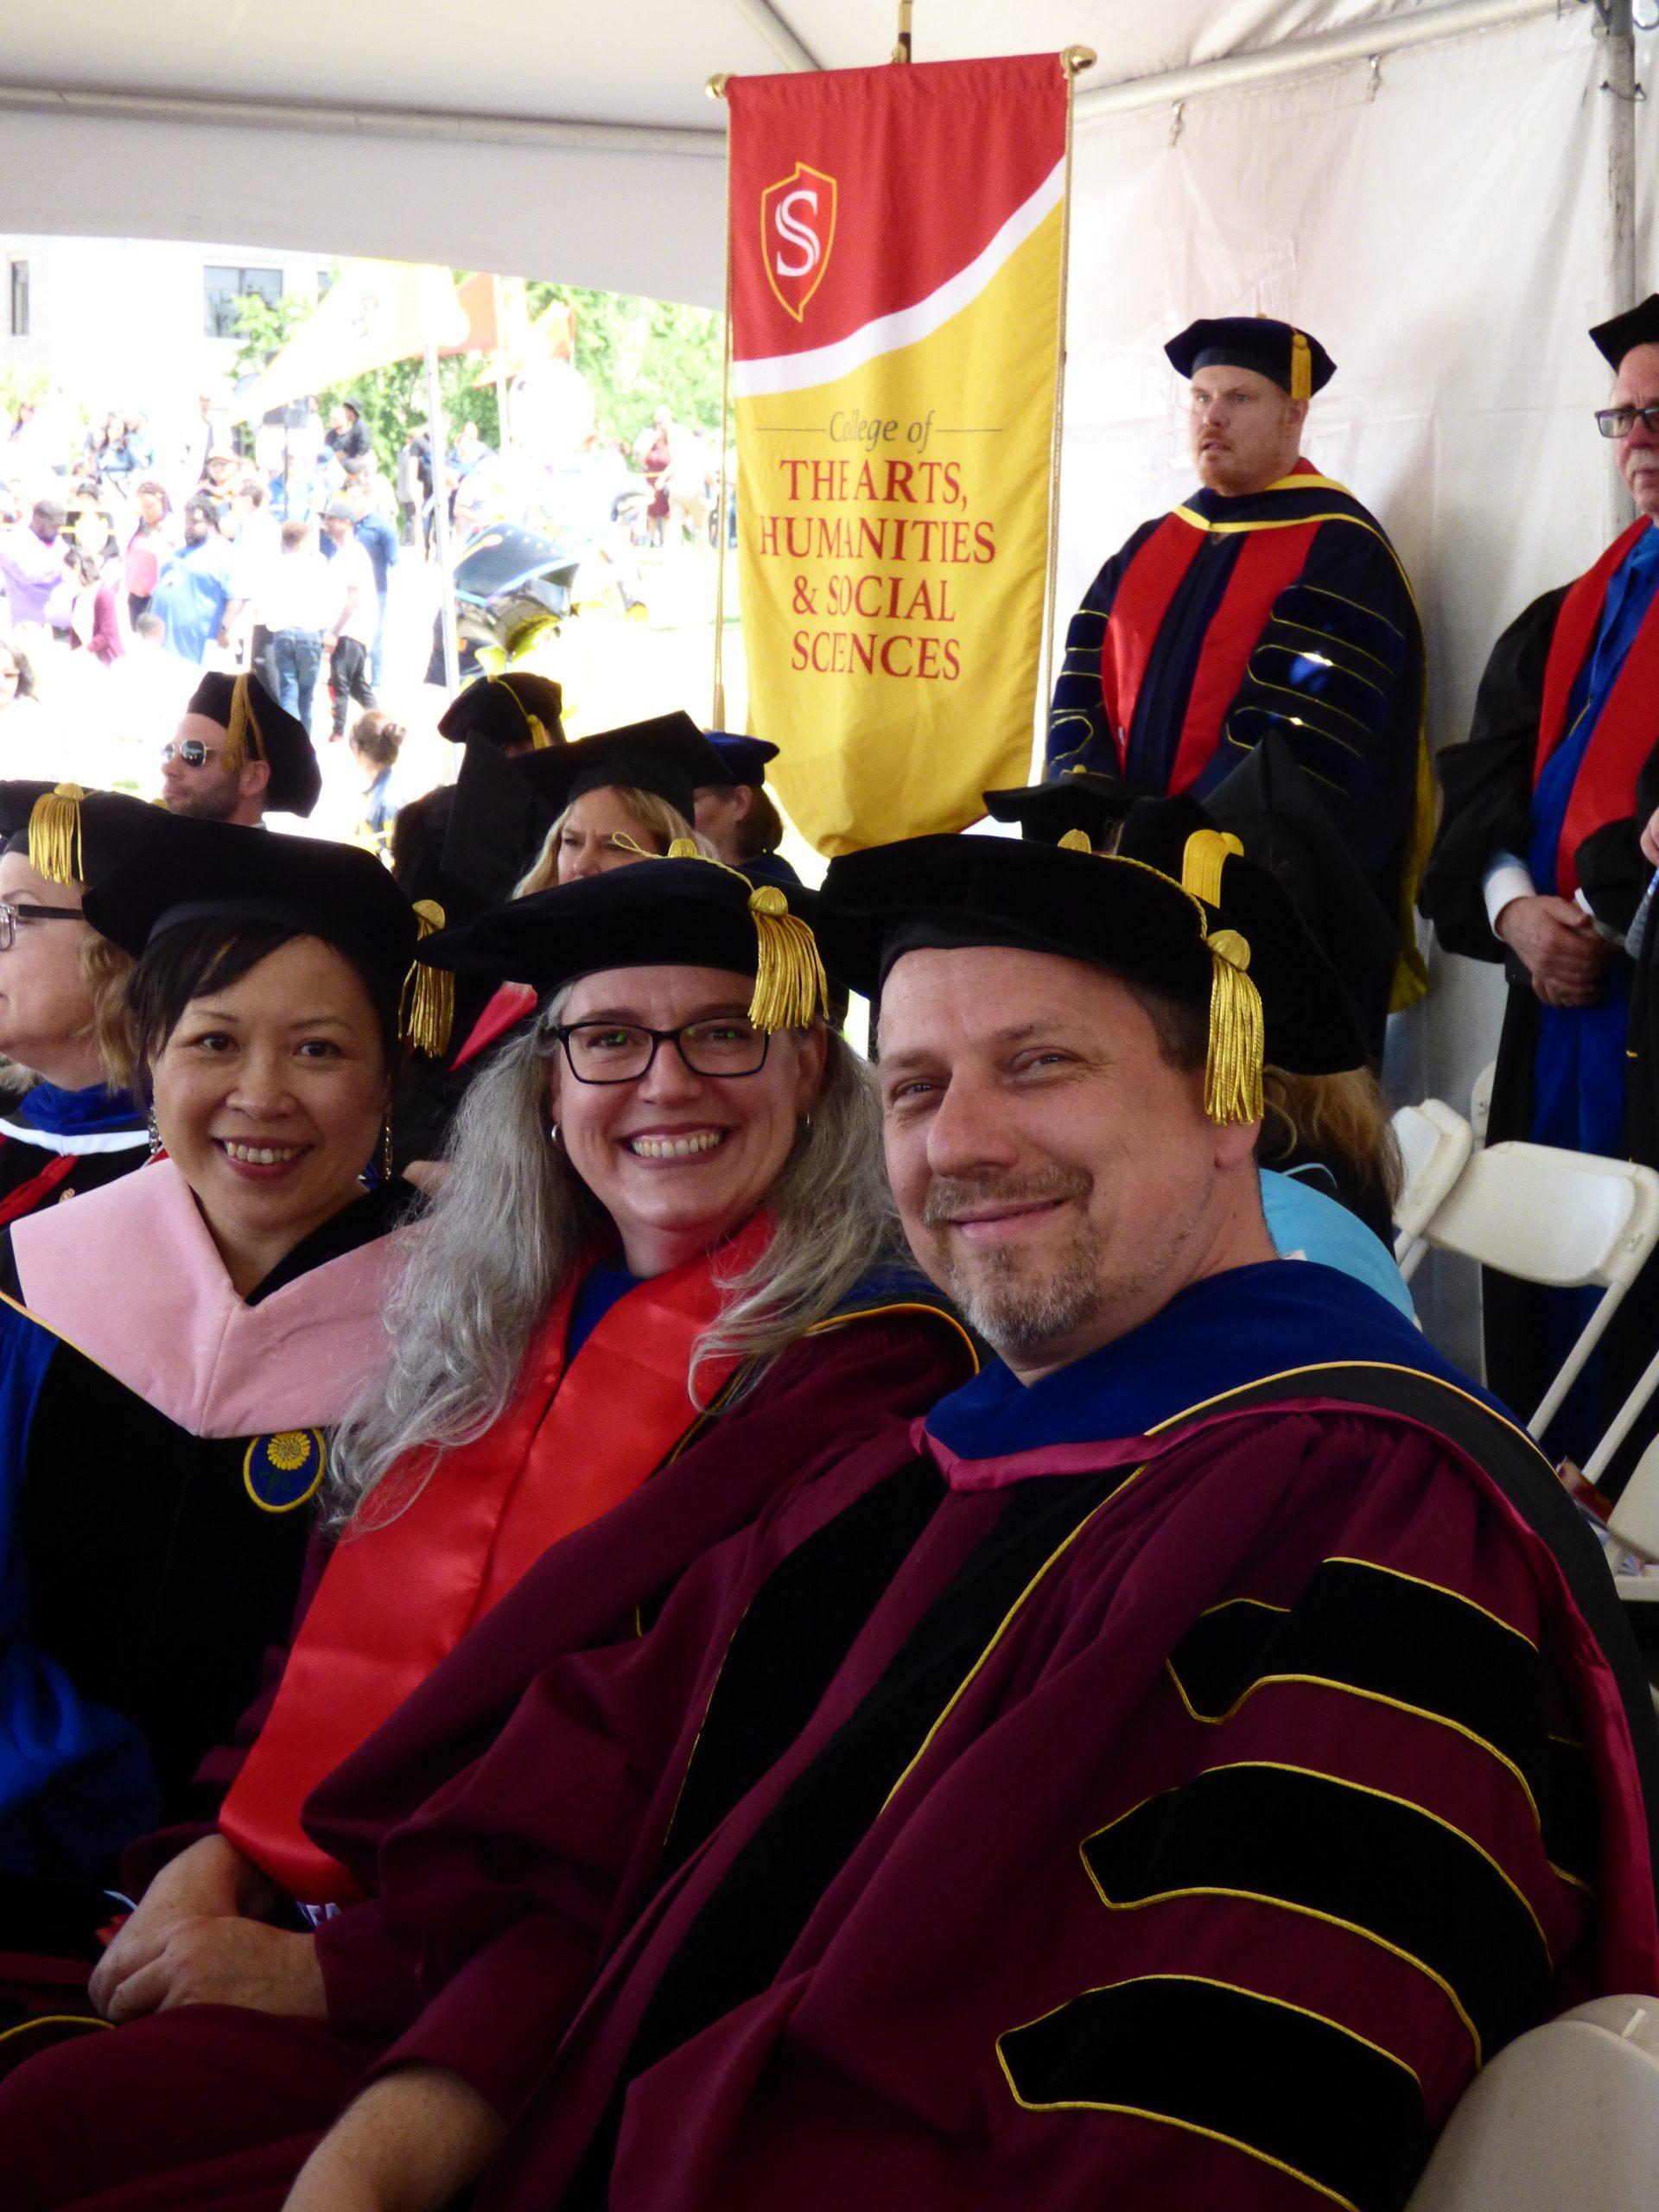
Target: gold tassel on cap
<point>1232,1074</point>
<point>1205,855</point>
<point>1076,841</point>
<point>791,988</point>
<point>55,835</point>
<point>539,739</point>
<point>243,737</point>
<point>1301,367</point>
<point>428,1010</point>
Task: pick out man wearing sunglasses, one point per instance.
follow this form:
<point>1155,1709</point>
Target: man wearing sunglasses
<point>236,760</point>
<point>1537,863</point>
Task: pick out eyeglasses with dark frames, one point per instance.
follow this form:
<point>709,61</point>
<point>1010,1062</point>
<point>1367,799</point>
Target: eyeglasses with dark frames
<point>1619,422</point>
<point>622,1052</point>
<point>13,910</point>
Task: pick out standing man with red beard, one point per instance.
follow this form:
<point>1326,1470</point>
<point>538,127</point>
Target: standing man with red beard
<point>1268,604</point>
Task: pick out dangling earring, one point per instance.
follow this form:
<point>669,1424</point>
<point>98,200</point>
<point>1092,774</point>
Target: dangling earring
<point>385,1150</point>
<point>156,1145</point>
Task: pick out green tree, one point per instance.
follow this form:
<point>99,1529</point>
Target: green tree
<point>637,355</point>
<point>265,327</point>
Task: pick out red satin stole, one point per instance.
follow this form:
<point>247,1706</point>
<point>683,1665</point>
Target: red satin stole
<point>37,1190</point>
<point>397,1599</point>
<point>509,1004</point>
<point>1271,557</point>
<point>1605,787</point>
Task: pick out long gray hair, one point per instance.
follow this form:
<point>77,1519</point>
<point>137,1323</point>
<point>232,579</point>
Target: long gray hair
<point>513,1220</point>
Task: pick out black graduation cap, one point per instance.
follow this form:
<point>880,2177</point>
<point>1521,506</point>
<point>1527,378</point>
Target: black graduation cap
<point>256,728</point>
<point>1079,798</point>
<point>1310,1015</point>
<point>668,755</point>
<point>681,912</point>
<point>512,709</point>
<point>1273,805</point>
<point>744,758</point>
<point>67,835</point>
<point>1124,915</point>
<point>498,821</point>
<point>175,869</point>
<point>1275,350</point>
<point>1638,326</point>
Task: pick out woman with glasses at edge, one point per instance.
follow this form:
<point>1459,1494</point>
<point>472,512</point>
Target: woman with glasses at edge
<point>193,1333</point>
<point>68,1123</point>
<point>629,1321</point>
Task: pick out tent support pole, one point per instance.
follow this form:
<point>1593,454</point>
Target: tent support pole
<point>1619,93</point>
<point>504,427</point>
<point>1298,57</point>
<point>439,437</point>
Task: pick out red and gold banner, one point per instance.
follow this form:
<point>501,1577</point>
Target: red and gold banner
<point>896,244</point>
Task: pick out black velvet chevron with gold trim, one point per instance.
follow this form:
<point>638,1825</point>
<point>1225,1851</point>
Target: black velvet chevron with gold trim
<point>1340,1852</point>
<point>1383,1636</point>
<point>1571,1812</point>
<point>1287,2086</point>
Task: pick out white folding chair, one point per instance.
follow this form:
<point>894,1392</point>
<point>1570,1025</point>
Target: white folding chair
<point>1635,1519</point>
<point>1620,1427</point>
<point>1480,1100</point>
<point>1564,2116</point>
<point>1435,1142</point>
<point>1562,1219</point>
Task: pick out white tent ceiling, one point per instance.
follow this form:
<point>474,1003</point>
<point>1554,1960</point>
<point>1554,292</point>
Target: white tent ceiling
<point>567,141</point>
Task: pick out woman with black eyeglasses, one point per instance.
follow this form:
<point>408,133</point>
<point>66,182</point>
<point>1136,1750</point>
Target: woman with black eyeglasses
<point>68,1123</point>
<point>661,1280</point>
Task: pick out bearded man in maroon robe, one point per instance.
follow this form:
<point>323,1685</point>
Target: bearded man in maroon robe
<point>1162,1776</point>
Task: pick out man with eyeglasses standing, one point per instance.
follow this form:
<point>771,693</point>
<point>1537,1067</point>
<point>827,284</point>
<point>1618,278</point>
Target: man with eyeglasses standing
<point>1538,865</point>
<point>1263,634</point>
<point>235,756</point>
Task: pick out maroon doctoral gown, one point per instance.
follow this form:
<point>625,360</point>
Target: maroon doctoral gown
<point>1162,1786</point>
<point>888,1355</point>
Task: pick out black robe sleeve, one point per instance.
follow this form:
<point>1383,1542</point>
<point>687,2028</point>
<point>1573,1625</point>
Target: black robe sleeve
<point>1487,782</point>
<point>1337,673</point>
<point>1079,733</point>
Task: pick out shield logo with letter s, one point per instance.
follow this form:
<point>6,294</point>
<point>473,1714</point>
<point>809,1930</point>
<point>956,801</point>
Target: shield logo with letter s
<point>797,229</point>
